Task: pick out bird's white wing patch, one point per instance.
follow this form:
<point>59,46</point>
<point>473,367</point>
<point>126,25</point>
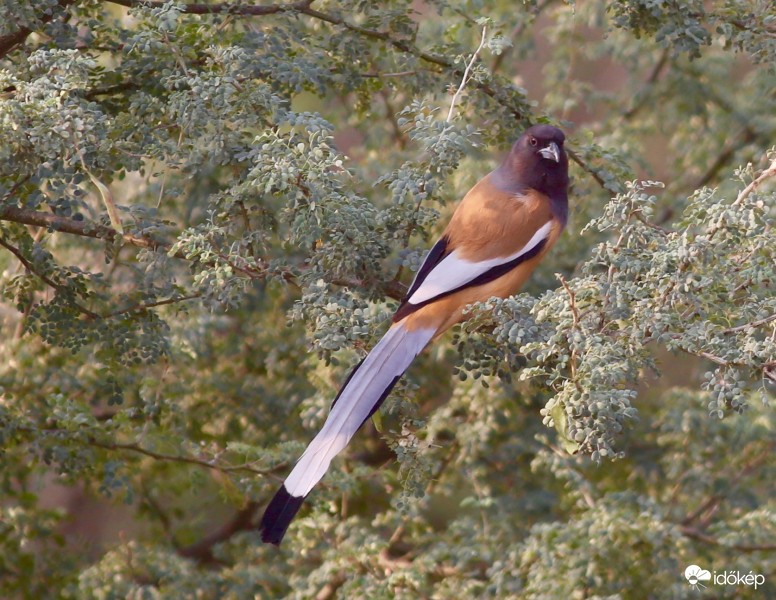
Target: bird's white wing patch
<point>452,272</point>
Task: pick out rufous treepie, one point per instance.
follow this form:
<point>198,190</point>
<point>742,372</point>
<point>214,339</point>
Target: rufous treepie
<point>498,234</point>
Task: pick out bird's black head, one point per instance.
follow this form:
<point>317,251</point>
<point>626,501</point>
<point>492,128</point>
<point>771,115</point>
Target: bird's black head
<point>537,161</point>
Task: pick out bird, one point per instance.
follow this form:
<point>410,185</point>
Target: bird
<point>496,237</point>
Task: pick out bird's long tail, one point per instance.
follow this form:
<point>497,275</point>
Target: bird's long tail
<point>362,394</point>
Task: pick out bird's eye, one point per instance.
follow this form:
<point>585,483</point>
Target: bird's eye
<point>533,141</point>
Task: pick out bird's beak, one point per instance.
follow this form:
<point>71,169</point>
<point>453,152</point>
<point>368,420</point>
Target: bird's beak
<point>552,151</point>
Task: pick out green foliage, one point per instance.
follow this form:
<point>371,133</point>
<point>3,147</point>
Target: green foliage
<point>278,172</point>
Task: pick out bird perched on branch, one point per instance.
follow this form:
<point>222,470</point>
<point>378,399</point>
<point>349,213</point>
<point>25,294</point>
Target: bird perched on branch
<point>497,236</point>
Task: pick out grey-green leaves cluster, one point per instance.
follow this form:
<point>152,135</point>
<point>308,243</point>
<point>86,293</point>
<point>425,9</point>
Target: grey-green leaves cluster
<point>209,211</point>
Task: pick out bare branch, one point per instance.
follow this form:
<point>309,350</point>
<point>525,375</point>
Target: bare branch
<point>516,32</point>
<point>466,74</point>
<point>724,157</point>
<point>202,551</point>
<point>642,94</point>
<point>148,305</point>
<point>9,41</point>
<point>766,174</point>
<point>751,325</point>
<point>182,458</point>
<point>90,229</point>
<point>696,534</point>
<point>247,10</point>
<point>392,289</point>
<point>44,278</point>
<point>710,505</point>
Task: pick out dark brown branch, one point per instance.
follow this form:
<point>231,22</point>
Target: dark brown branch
<point>25,216</point>
<point>696,534</point>
<point>329,590</point>
<point>751,325</point>
<point>148,305</point>
<point>90,229</point>
<point>44,278</point>
<point>651,80</point>
<point>710,505</point>
<point>516,32</point>
<point>726,156</point>
<point>247,10</point>
<point>9,41</point>
<point>586,167</point>
<point>182,458</point>
<point>103,232</point>
<point>650,224</point>
<point>202,551</point>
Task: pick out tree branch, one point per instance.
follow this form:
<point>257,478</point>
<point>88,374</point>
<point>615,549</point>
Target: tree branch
<point>696,534</point>
<point>90,229</point>
<point>766,174</point>
<point>147,305</point>
<point>712,502</point>
<point>247,10</point>
<point>751,325</point>
<point>182,458</point>
<point>465,76</point>
<point>724,157</point>
<point>25,216</point>
<point>586,167</point>
<point>642,95</point>
<point>44,278</point>
<point>517,31</point>
<point>9,41</point>
<point>202,551</point>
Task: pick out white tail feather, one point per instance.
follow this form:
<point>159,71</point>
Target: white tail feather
<point>392,355</point>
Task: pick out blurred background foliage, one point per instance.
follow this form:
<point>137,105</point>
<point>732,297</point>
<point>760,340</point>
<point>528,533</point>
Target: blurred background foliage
<point>209,211</point>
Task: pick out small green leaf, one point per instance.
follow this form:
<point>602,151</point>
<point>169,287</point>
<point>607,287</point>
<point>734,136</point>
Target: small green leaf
<point>558,414</point>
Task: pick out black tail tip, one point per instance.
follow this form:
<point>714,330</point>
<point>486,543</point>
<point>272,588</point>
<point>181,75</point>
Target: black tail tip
<point>278,516</point>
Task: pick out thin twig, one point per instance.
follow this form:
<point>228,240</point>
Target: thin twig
<point>235,9</point>
<point>751,325</point>
<point>768,173</point>
<point>696,534</point>
<point>466,74</point>
<point>575,325</point>
<point>182,458</point>
<point>148,305</point>
<point>651,225</point>
<point>651,80</point>
<point>10,41</point>
<point>710,504</point>
<point>44,278</point>
<point>516,32</point>
<point>202,551</point>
